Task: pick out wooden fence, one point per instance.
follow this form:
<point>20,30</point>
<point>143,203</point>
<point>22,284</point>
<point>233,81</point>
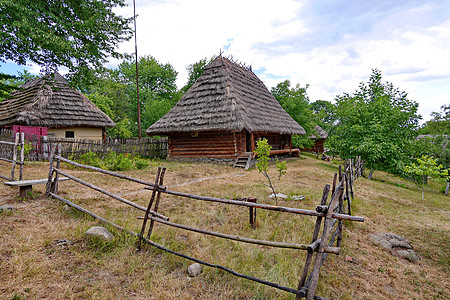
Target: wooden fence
<point>146,147</point>
<point>332,215</point>
<point>10,146</point>
<point>39,147</point>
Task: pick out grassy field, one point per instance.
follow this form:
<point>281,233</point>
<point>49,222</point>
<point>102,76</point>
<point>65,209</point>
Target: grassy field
<point>34,265</point>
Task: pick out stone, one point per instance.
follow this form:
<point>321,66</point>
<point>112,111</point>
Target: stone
<point>194,270</point>
<point>100,232</point>
<point>349,259</point>
<point>408,254</point>
<point>7,208</point>
<point>63,242</point>
<point>297,197</point>
<point>279,196</point>
<point>396,245</point>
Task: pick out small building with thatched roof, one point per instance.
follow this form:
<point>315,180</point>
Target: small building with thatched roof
<point>223,115</point>
<point>319,140</point>
<point>50,102</point>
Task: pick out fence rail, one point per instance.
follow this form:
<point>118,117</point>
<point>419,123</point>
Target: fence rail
<point>332,214</point>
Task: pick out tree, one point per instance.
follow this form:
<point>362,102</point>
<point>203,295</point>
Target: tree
<point>295,102</point>
<point>262,164</point>
<point>107,92</point>
<point>324,115</point>
<point>157,89</point>
<point>377,123</point>
<point>9,83</point>
<point>79,35</point>
<point>425,168</point>
<point>440,124</point>
<point>436,146</point>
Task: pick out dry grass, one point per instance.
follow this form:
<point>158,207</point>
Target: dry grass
<point>34,266</point>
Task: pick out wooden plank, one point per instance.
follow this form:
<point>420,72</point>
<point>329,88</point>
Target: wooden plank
<point>13,166</point>
<point>31,182</point>
<point>22,154</point>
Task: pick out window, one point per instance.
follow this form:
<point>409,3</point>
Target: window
<point>70,134</point>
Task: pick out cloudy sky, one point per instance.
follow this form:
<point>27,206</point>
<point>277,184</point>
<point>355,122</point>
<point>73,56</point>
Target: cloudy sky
<point>330,45</point>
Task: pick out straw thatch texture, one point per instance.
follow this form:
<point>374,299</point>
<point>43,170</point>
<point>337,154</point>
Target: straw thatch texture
<point>227,97</point>
<point>321,134</point>
<point>50,102</point>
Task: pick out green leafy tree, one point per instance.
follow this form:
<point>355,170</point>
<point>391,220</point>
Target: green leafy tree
<point>440,124</point>
<point>157,90</point>
<point>377,122</point>
<point>436,146</point>
<point>108,93</point>
<point>9,83</point>
<point>324,115</point>
<point>262,164</point>
<point>425,168</point>
<point>295,102</point>
<point>79,35</point>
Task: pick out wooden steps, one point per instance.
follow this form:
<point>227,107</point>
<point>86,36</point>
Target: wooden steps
<point>244,160</point>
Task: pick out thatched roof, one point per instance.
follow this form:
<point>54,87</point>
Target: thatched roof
<point>50,102</point>
<point>321,134</point>
<point>229,97</point>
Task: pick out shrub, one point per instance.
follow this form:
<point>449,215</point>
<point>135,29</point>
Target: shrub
<point>91,159</point>
<point>140,163</point>
<point>121,162</point>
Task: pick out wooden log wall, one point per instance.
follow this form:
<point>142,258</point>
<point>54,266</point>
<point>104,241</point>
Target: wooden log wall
<point>208,144</point>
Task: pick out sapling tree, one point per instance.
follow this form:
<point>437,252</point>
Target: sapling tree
<point>425,168</point>
<point>262,164</point>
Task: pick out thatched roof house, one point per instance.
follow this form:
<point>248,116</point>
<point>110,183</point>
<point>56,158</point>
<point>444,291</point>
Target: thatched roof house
<point>319,139</point>
<point>222,115</point>
<point>50,102</point>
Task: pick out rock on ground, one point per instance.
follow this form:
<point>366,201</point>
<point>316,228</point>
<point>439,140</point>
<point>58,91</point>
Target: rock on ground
<point>100,232</point>
<point>279,196</point>
<point>396,245</point>
<point>7,207</point>
<point>195,270</point>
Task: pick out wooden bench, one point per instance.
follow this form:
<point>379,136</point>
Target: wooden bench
<point>26,186</point>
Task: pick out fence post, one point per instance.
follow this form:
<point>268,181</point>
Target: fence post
<point>22,154</point>
<point>45,147</point>
<point>144,223</point>
<point>54,186</point>
<point>309,256</point>
<point>13,166</point>
<point>158,197</point>
<point>50,170</point>
<point>323,243</point>
<point>252,212</point>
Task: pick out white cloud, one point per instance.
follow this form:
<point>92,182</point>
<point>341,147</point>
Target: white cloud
<point>283,39</point>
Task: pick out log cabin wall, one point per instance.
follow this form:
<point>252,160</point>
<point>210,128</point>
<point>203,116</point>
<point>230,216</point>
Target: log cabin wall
<point>277,141</point>
<point>318,146</point>
<point>206,144</point>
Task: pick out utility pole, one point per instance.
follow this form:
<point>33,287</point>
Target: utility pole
<point>137,72</point>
